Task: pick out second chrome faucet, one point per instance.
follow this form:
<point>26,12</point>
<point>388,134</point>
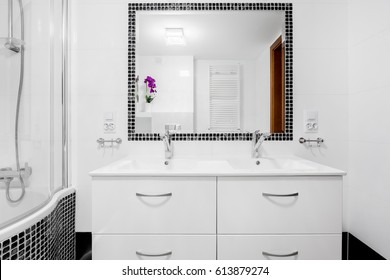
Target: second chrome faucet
<point>166,138</point>
<point>257,139</point>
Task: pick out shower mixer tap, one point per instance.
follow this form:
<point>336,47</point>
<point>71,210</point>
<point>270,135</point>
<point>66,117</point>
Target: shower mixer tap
<point>10,45</point>
<point>4,178</point>
<point>9,174</point>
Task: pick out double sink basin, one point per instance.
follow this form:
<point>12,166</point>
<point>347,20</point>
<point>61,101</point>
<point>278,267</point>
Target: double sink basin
<point>215,167</point>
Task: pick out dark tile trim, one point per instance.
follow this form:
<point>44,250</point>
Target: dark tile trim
<point>51,238</point>
<point>134,7</point>
<point>83,245</point>
<point>344,242</point>
<point>358,250</point>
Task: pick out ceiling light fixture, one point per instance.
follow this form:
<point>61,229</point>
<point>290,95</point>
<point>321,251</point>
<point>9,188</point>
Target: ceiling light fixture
<point>174,36</point>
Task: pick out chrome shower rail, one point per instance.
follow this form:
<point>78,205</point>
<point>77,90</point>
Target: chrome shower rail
<point>64,93</point>
<point>17,46</point>
<point>11,43</point>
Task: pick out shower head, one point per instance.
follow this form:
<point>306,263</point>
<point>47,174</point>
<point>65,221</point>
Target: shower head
<point>9,45</point>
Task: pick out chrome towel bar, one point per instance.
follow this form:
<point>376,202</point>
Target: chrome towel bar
<point>102,142</point>
<point>318,141</point>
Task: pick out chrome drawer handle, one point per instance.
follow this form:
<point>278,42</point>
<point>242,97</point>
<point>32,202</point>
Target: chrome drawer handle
<point>281,256</point>
<point>153,195</point>
<point>153,255</point>
<point>280,195</point>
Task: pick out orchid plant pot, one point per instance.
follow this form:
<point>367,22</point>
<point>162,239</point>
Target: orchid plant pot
<point>148,107</point>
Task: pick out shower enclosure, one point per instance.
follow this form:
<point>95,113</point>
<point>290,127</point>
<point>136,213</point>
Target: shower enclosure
<point>33,105</point>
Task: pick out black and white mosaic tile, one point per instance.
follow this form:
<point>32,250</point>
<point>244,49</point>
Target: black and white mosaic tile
<point>134,7</point>
<point>52,238</point>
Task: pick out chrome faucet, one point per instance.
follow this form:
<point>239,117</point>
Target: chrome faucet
<point>257,139</point>
<point>166,138</point>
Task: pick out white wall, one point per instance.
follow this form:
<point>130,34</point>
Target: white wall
<point>174,101</point>
<point>174,81</point>
<point>99,84</point>
<point>369,132</point>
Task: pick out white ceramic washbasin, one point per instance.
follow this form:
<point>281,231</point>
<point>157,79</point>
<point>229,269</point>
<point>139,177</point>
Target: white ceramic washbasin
<point>161,165</point>
<point>265,166</point>
<point>156,164</point>
<point>267,163</point>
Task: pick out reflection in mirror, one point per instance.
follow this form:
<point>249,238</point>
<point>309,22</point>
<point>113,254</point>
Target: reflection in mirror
<point>224,101</point>
<point>210,71</point>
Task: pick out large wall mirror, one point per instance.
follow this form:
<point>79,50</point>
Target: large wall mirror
<point>216,71</point>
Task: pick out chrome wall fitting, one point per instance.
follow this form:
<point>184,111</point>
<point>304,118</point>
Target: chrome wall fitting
<point>103,142</point>
<point>167,140</point>
<point>318,141</point>
<point>257,139</point>
<point>9,174</point>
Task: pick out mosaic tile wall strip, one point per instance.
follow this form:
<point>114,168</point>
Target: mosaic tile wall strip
<point>52,238</point>
<point>134,7</point>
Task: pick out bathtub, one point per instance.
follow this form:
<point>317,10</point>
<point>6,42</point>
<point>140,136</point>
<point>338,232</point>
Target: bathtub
<point>8,211</point>
<point>48,233</point>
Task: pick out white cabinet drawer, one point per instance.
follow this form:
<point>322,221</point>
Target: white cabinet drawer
<point>152,247</point>
<point>310,205</point>
<point>154,205</point>
<point>284,247</point>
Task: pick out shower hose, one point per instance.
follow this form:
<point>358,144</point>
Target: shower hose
<point>20,89</point>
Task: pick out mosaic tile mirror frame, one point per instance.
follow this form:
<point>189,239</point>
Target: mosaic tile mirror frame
<point>287,135</point>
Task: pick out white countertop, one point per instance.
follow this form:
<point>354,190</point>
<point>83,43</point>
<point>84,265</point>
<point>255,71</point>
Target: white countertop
<point>268,166</point>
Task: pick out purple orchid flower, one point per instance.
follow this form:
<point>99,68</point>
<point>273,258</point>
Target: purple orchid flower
<point>151,83</point>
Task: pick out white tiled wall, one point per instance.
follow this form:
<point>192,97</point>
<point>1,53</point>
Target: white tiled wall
<point>99,84</point>
<point>369,132</point>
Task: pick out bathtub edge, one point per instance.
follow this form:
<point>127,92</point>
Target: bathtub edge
<point>32,219</point>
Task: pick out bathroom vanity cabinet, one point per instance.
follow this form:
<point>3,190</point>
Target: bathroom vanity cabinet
<point>279,217</point>
<point>155,217</point>
<point>217,217</point>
